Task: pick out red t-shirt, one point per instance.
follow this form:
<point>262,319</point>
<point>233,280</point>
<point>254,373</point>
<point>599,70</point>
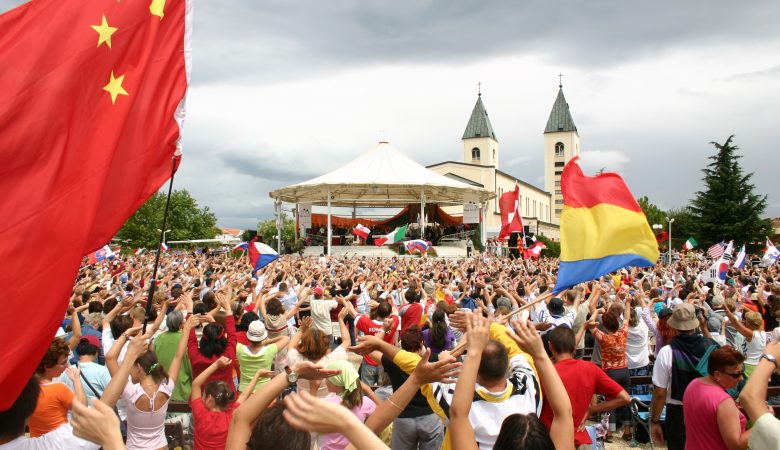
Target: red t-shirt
<point>200,362</point>
<point>582,379</point>
<point>411,314</point>
<point>370,327</point>
<point>211,427</point>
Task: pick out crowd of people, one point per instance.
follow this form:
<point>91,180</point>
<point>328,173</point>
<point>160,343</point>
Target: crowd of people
<point>402,353</point>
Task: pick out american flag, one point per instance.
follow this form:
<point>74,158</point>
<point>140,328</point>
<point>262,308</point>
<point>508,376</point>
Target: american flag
<point>716,251</point>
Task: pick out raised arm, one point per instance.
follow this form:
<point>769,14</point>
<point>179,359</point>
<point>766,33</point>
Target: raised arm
<point>201,379</point>
<point>75,324</point>
<point>461,431</point>
<point>740,327</point>
<point>181,348</point>
<point>119,378</point>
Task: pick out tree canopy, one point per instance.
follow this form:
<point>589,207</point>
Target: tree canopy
<point>727,208</point>
<point>185,220</point>
<point>653,213</point>
<point>266,229</point>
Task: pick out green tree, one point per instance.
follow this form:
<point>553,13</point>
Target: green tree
<point>553,247</point>
<point>185,220</point>
<point>266,229</point>
<point>684,225</point>
<point>727,207</point>
<point>653,213</point>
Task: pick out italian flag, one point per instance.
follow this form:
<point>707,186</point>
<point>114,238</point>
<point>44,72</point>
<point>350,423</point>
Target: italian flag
<point>139,251</point>
<point>396,236</point>
<point>362,231</point>
<point>690,244</point>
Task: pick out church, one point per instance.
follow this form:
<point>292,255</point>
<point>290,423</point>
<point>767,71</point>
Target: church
<point>540,208</point>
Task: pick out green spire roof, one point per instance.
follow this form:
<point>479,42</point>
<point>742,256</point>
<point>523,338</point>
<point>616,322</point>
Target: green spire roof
<point>560,117</point>
<point>479,123</point>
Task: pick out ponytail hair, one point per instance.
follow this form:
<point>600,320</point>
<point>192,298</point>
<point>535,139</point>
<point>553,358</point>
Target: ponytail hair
<point>214,340</point>
<point>354,398</point>
<point>220,392</point>
<point>151,366</point>
<point>438,329</point>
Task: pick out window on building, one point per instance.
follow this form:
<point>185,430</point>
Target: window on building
<point>557,183</point>
<point>559,201</point>
<point>559,149</point>
<point>558,172</point>
<point>527,208</point>
<point>494,157</point>
<point>535,209</point>
<point>557,192</point>
<point>560,164</point>
<point>475,154</point>
<point>558,212</point>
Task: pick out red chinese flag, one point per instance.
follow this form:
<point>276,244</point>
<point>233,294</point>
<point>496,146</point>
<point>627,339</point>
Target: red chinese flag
<point>511,219</point>
<point>90,112</point>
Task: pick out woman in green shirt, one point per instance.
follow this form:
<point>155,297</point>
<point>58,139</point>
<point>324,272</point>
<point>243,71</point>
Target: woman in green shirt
<point>258,355</point>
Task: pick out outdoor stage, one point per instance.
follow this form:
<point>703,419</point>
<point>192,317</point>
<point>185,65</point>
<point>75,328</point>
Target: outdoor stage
<point>372,251</point>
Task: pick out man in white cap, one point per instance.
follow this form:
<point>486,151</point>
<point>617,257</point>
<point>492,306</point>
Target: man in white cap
<point>674,369</point>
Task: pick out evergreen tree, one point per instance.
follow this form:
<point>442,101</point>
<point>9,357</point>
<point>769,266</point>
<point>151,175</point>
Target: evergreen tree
<point>728,208</point>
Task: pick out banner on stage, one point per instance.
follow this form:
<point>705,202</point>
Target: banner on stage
<point>470,209</point>
<point>304,215</point>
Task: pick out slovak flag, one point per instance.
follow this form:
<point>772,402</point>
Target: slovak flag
<point>416,244</point>
<point>260,255</point>
<point>241,246</point>
<point>511,220</point>
<point>164,247</point>
<point>102,253</point>
<point>362,231</point>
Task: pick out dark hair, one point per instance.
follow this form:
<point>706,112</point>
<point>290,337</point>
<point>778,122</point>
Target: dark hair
<point>610,321</point>
<point>273,432</point>
<point>95,307</point>
<point>523,431</point>
<point>109,304</point>
<point>314,344</point>
<point>384,310</point>
<point>57,349</point>
<point>282,286</point>
<point>120,324</point>
<point>85,348</point>
<point>274,307</point>
<point>199,308</point>
<point>151,366</point>
<point>412,296</point>
<point>562,340</point>
<point>176,291</point>
<point>438,331</point>
<point>246,319</point>
<point>13,419</point>
<point>220,392</point>
<point>411,339</point>
<point>211,344</point>
<point>720,358</point>
<point>494,362</point>
<point>209,300</point>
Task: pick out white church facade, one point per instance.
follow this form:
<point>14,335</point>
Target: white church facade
<point>540,208</point>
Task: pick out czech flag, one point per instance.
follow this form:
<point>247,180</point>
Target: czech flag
<point>164,247</point>
<point>241,246</point>
<point>101,254</point>
<point>603,229</point>
<point>416,245</point>
<point>260,255</point>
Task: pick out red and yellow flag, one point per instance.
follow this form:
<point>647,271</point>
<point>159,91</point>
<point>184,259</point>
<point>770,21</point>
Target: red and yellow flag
<point>91,104</point>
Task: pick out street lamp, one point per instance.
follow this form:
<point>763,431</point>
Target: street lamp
<point>670,237</point>
<point>163,233</point>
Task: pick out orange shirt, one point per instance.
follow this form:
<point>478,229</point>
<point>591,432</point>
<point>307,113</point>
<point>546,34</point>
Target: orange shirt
<point>52,410</point>
<point>613,347</point>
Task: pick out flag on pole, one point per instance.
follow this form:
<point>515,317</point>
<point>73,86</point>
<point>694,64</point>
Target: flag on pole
<point>771,254</point>
<point>362,231</point>
<point>663,236</point>
<point>260,255</point>
<point>164,247</point>
<point>716,250</point>
<point>690,244</point>
<point>91,107</point>
<point>603,228</point>
<point>242,246</point>
<point>739,261</point>
<point>718,271</point>
<point>396,236</point>
<point>139,251</point>
<point>101,254</point>
<point>511,219</point>
<point>534,251</point>
<point>416,245</point>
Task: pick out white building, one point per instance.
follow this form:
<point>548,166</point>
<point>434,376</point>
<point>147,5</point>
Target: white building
<point>541,208</point>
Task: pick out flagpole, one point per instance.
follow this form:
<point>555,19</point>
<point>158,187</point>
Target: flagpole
<point>153,281</point>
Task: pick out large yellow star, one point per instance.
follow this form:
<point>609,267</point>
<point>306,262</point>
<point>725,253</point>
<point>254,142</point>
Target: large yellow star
<point>114,87</point>
<point>157,8</point>
<point>104,32</point>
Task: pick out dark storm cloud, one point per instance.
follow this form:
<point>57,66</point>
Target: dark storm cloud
<point>265,168</point>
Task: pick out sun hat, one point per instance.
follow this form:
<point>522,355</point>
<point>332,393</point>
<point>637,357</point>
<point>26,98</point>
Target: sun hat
<point>256,332</point>
<point>683,318</point>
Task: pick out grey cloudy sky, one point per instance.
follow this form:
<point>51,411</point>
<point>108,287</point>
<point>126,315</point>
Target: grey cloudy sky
<point>283,91</point>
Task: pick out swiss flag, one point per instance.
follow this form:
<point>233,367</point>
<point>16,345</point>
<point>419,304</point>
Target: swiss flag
<point>511,219</point>
<point>90,112</point>
<point>362,231</point>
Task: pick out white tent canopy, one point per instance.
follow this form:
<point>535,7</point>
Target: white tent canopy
<point>382,176</point>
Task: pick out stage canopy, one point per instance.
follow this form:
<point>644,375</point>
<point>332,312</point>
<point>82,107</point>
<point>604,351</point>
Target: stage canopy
<point>381,177</point>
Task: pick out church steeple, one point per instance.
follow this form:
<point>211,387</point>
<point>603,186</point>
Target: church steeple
<point>480,145</point>
<point>560,117</point>
<point>479,124</point>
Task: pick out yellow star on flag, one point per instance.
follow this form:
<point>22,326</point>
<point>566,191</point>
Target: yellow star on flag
<point>114,87</point>
<point>104,32</point>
